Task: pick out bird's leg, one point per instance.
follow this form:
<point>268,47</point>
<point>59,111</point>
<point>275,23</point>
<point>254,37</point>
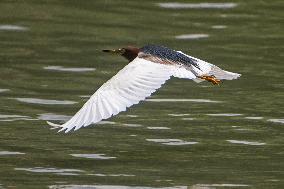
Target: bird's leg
<point>211,79</point>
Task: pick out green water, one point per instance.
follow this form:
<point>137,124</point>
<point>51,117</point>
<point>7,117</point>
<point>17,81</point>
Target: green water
<point>231,139</point>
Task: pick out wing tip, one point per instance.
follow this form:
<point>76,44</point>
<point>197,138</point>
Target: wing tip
<point>63,129</point>
<point>56,126</point>
<point>53,124</point>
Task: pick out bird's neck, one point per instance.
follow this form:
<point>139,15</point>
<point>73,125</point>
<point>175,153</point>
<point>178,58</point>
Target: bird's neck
<point>131,53</point>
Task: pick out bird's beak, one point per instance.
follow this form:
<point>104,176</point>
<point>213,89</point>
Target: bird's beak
<point>115,51</point>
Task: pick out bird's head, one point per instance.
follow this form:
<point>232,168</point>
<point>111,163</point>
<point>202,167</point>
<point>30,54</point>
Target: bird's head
<point>130,52</point>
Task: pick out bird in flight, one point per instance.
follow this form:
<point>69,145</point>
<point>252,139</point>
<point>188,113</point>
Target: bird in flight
<point>149,67</point>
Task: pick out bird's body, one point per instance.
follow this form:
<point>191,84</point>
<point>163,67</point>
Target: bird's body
<point>168,56</point>
<point>149,68</point>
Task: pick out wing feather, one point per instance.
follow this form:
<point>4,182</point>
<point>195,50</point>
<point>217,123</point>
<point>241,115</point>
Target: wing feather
<point>136,81</point>
<point>112,105</point>
<point>118,101</point>
<point>97,116</point>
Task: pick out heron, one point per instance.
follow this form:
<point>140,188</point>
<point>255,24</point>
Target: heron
<point>148,69</point>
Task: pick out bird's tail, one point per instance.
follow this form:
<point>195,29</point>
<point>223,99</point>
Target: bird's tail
<point>222,74</point>
<point>218,73</point>
<point>207,69</point>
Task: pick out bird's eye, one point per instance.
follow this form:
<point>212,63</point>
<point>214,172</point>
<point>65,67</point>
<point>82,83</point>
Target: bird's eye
<point>122,50</point>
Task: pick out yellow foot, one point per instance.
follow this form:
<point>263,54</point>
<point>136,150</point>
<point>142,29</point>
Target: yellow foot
<point>211,79</point>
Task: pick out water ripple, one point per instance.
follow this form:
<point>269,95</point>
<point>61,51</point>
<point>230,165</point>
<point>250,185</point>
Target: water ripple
<point>181,100</point>
<point>112,175</point>
<point>246,142</point>
<point>203,186</point>
<point>61,68</point>
<point>225,114</point>
<point>67,174</point>
<point>129,115</point>
<point>106,122</point>
<point>14,117</point>
<point>51,116</point>
<point>178,115</point>
<point>158,128</point>
<point>110,187</point>
<point>4,90</point>
<point>276,120</point>
<point>174,5</point>
<point>92,156</point>
<point>192,36</point>
<point>254,118</point>
<point>219,27</point>
<point>4,153</point>
<point>131,125</point>
<point>48,170</point>
<point>45,101</point>
<point>188,118</point>
<point>171,142</point>
<point>13,28</point>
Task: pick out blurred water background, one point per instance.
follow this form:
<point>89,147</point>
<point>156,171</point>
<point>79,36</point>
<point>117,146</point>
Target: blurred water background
<point>187,135</point>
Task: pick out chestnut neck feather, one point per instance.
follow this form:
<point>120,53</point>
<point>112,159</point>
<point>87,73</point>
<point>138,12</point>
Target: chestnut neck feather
<point>130,53</point>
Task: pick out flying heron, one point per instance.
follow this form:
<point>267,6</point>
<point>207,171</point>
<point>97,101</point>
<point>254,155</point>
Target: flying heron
<point>149,67</point>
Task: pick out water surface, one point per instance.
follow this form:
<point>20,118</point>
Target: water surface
<point>186,136</point>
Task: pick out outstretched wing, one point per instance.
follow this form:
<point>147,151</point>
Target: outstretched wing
<point>136,81</point>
